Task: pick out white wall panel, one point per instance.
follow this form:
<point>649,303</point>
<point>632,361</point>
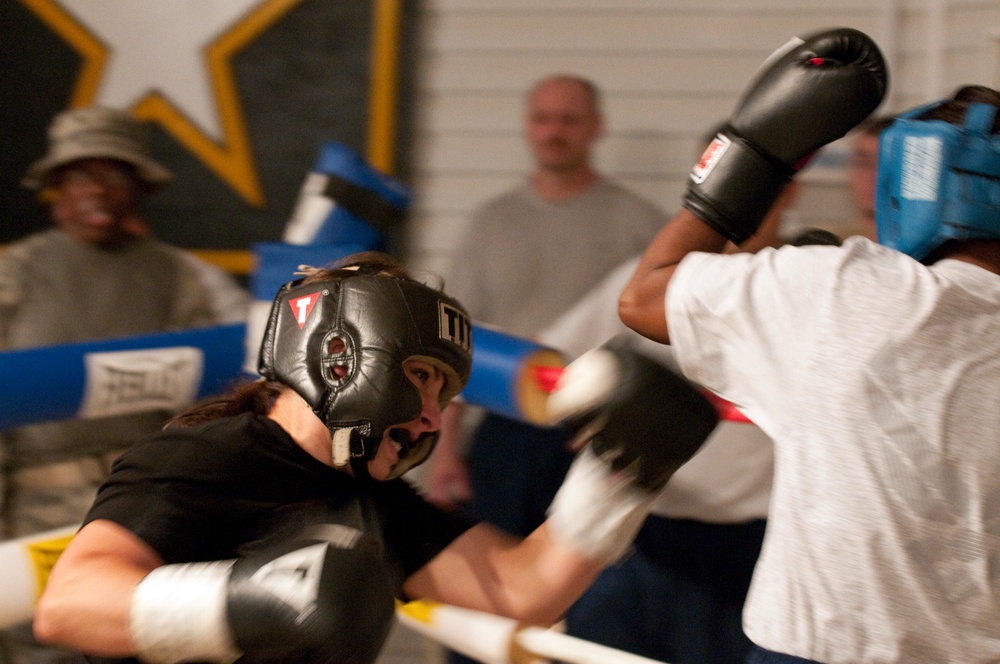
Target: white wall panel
<point>756,7</point>
<point>669,69</point>
<point>500,114</point>
<point>626,152</point>
<point>612,31</point>
<point>653,72</point>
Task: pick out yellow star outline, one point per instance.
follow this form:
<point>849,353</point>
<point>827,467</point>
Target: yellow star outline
<point>233,161</point>
<point>383,86</point>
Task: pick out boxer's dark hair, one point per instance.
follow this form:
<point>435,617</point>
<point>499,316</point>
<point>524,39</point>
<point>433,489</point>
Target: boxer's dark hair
<point>953,111</point>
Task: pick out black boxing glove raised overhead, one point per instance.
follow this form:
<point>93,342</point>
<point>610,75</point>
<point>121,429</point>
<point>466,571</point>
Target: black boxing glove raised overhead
<point>809,93</point>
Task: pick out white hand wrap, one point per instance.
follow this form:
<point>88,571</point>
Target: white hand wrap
<point>586,384</point>
<point>178,614</point>
<point>598,511</point>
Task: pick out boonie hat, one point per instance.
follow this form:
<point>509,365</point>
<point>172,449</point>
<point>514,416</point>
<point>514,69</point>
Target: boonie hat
<point>96,132</point>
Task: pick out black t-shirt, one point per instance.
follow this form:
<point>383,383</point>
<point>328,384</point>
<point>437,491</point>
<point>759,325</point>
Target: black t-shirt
<point>222,489</point>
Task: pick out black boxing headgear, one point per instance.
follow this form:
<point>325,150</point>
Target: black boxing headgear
<point>340,343</point>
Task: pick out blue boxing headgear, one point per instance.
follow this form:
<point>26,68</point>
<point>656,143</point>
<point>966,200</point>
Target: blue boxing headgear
<point>340,343</point>
<point>938,181</point>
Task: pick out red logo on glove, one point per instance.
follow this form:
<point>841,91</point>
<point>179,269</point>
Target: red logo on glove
<point>713,153</point>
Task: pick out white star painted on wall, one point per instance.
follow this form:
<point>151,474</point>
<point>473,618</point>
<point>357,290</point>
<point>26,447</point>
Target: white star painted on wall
<point>169,62</point>
<point>156,47</point>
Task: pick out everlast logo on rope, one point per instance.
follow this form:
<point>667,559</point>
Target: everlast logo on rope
<point>124,382</point>
<point>455,327</point>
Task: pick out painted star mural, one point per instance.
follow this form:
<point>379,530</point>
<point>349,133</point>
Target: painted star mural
<point>241,94</point>
<point>170,63</point>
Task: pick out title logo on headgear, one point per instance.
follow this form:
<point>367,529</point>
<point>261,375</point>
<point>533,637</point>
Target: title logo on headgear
<point>454,326</point>
<point>302,307</point>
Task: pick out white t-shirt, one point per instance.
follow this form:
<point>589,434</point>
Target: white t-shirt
<point>729,479</point>
<point>879,381</point>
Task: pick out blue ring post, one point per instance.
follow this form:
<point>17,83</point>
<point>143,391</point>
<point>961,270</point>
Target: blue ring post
<point>48,383</point>
<point>500,363</point>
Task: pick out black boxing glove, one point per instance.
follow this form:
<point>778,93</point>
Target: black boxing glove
<point>811,92</point>
<point>642,422</point>
<point>317,600</point>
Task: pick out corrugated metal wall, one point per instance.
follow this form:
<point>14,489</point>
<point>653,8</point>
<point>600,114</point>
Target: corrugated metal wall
<point>669,69</point>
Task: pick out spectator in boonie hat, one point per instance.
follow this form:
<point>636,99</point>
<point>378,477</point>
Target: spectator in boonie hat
<point>97,133</point>
<point>96,172</point>
<point>98,274</point>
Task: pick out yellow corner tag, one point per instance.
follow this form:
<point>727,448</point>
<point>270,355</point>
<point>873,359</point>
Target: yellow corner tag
<point>43,556</point>
<point>420,609</point>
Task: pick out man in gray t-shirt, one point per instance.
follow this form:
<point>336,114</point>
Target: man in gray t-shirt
<point>527,256</point>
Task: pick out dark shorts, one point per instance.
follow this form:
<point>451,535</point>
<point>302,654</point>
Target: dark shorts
<point>678,597</point>
<point>760,656</point>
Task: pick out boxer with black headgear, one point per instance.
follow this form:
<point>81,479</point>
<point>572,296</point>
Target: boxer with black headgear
<point>341,342</point>
<point>272,522</point>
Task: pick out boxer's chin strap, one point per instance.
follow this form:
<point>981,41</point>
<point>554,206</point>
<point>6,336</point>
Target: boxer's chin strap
<point>348,448</point>
<point>341,447</point>
<point>412,453</point>
<point>360,467</point>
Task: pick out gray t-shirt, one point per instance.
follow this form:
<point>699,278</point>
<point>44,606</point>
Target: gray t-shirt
<point>524,260</point>
<point>55,290</point>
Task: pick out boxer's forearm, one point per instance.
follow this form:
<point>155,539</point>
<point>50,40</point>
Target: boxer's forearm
<point>95,627</point>
<point>86,601</point>
<point>534,580</point>
<point>642,304</point>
